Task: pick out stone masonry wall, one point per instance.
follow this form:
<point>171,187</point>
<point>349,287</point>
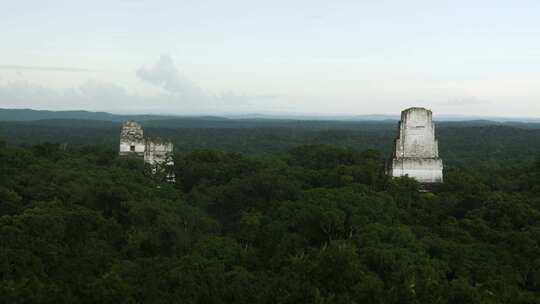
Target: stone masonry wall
<point>156,152</point>
<point>132,139</point>
<point>416,152</point>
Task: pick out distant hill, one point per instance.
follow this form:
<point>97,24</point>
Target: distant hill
<point>31,115</point>
<point>13,115</point>
<point>374,117</point>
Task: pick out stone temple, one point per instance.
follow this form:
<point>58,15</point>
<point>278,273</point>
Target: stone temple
<point>157,153</point>
<point>416,151</point>
<point>132,139</point>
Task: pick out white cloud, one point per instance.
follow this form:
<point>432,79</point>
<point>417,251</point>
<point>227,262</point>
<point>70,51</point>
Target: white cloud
<point>180,95</point>
<point>103,96</point>
<point>465,101</point>
<point>91,95</point>
<point>165,75</point>
<point>44,68</point>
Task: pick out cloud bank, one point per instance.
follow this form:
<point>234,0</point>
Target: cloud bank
<point>466,101</point>
<point>44,69</point>
<point>91,95</point>
<point>180,95</point>
<point>165,75</point>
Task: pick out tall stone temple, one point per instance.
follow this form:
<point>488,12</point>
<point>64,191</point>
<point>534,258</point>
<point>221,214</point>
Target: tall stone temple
<point>155,152</point>
<point>132,141</point>
<point>416,150</point>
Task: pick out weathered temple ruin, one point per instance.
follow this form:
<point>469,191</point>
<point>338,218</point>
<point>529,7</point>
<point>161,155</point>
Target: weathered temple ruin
<point>132,139</point>
<point>156,153</point>
<point>416,151</point>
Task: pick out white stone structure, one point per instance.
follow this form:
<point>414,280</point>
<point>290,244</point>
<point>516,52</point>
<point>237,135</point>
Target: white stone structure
<point>157,153</point>
<point>416,151</point>
<point>132,139</point>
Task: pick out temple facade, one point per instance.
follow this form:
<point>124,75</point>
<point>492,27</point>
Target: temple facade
<point>156,153</point>
<point>416,150</point>
<point>132,139</point>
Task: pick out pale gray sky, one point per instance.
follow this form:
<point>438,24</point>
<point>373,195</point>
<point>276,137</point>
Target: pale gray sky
<point>306,56</point>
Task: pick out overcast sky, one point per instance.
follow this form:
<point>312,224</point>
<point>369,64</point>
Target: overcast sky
<point>306,56</point>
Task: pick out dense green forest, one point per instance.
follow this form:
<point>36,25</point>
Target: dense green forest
<point>296,212</point>
<point>485,143</point>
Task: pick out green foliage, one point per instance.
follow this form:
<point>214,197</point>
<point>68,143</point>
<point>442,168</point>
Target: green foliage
<point>314,224</point>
